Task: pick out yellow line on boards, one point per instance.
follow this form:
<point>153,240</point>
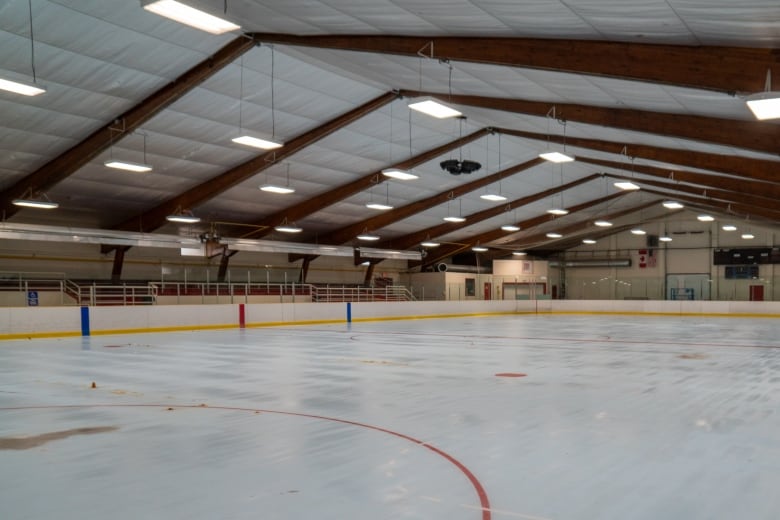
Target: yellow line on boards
<point>39,335</point>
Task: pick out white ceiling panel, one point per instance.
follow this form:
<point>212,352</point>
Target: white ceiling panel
<point>100,58</point>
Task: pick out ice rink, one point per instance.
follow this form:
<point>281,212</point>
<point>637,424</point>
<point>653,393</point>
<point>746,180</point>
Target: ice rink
<point>531,417</point>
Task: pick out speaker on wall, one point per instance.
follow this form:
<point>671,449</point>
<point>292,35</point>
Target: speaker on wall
<point>652,240</point>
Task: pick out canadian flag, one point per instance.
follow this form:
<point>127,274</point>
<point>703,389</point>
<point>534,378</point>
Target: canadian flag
<point>646,258</point>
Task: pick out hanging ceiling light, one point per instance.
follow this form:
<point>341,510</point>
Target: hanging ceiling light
<point>665,238</point>
<point>19,86</point>
<point>369,237</point>
<point>455,218</point>
<point>429,243</point>
<point>556,156</point>
<point>603,223</point>
<point>510,227</point>
<point>638,231</point>
<point>248,140</point>
<point>748,236</point>
<point>275,188</point>
<point>588,241</point>
<point>189,16</point>
<point>493,197</point>
<point>378,205</point>
<point>672,204</point>
<point>433,107</point>
<point>519,253</point>
<point>558,211</point>
<point>626,185</point>
<point>128,166</point>
<point>479,249</point>
<point>183,216</point>
<point>705,218</point>
<point>28,200</point>
<point>286,227</point>
<point>765,105</point>
<point>398,173</point>
<point>553,234</point>
<point>729,227</point>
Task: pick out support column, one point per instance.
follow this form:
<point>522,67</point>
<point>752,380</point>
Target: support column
<point>119,260</point>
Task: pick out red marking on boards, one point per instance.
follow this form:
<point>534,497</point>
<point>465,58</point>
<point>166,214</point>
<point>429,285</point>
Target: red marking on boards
<point>510,374</point>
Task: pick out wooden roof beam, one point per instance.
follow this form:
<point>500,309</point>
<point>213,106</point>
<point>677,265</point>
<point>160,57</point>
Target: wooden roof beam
<point>444,251</point>
<point>100,140</point>
<point>155,217</point>
<point>750,135</point>
<point>414,239</point>
<point>746,167</point>
<point>731,184</point>
<point>349,232</point>
<point>323,200</point>
<point>729,70</point>
<point>727,196</point>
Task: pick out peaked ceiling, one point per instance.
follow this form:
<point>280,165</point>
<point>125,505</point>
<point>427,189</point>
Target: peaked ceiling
<point>652,92</point>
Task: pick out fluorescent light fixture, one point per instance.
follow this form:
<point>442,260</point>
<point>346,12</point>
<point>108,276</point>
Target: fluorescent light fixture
<point>430,243</point>
<point>479,249</point>
<point>729,227</point>
<point>256,142</point>
<point>368,237</point>
<point>705,218</point>
<point>672,204</point>
<point>626,185</point>
<point>665,238</point>
<point>554,235</point>
<point>764,105</point>
<point>189,16</point>
<point>283,190</point>
<point>748,236</point>
<point>379,206</point>
<point>397,173</point>
<point>370,252</point>
<point>556,157</point>
<point>32,203</point>
<point>638,231</point>
<point>510,227</point>
<point>558,211</point>
<point>452,218</point>
<point>288,228</point>
<point>434,108</point>
<point>588,241</point>
<point>493,197</point>
<point>603,223</point>
<point>128,166</point>
<point>21,88</point>
<point>183,218</point>
<point>519,253</point>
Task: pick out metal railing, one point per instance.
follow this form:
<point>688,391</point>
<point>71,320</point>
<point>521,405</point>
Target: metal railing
<point>129,294</point>
<point>390,293</point>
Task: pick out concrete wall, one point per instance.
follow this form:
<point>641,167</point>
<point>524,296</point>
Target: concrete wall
<point>30,322</point>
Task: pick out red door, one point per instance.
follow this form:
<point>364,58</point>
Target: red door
<point>488,288</point>
<point>756,293</point>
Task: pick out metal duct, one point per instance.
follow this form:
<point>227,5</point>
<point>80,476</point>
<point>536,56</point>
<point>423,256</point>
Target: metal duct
<point>617,262</point>
<point>462,269</point>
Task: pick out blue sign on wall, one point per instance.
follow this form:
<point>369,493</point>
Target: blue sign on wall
<point>32,298</point>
